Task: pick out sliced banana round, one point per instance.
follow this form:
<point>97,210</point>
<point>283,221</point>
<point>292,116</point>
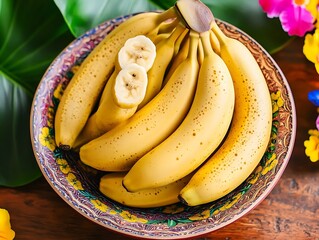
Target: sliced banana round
<point>140,50</point>
<point>130,86</point>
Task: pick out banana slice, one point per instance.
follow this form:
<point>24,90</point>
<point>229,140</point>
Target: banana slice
<point>140,50</point>
<point>130,86</point>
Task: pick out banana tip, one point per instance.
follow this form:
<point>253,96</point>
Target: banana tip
<point>64,147</point>
<point>125,186</point>
<point>182,200</point>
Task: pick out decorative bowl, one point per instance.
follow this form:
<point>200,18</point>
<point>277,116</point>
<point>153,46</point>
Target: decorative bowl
<point>78,185</point>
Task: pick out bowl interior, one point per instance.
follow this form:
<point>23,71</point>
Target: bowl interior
<point>77,184</point>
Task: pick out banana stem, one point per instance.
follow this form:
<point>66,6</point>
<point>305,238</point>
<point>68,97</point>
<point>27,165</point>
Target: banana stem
<point>214,42</point>
<point>222,38</point>
<point>169,13</point>
<point>168,26</point>
<point>205,39</point>
<point>193,47</point>
<point>200,53</point>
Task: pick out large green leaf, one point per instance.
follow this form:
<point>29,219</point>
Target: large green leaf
<point>32,33</point>
<point>245,14</point>
<point>82,15</point>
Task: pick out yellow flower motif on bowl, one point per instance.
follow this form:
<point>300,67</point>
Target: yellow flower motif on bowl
<point>231,202</point>
<point>99,205</point>
<point>312,145</point>
<point>200,216</point>
<point>74,181</point>
<point>50,116</point>
<point>46,139</point>
<point>277,101</point>
<point>255,175</point>
<point>132,218</point>
<point>63,165</point>
<point>270,164</point>
<point>58,91</point>
<point>173,209</point>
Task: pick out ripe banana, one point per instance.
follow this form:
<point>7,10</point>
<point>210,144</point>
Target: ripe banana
<point>249,134</point>
<point>140,50</point>
<point>123,92</point>
<point>177,60</point>
<point>165,27</point>
<point>86,85</point>
<point>201,132</point>
<point>118,149</point>
<point>164,54</point>
<point>111,186</point>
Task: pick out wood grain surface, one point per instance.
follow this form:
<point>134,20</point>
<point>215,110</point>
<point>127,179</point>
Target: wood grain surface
<point>291,210</point>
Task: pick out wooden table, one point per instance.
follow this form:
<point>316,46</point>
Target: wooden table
<point>291,210</point>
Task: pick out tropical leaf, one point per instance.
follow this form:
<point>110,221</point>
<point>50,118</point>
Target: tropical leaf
<point>82,16</point>
<point>32,33</point>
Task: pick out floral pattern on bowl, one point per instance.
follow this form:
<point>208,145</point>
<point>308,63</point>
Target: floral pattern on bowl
<point>77,184</point>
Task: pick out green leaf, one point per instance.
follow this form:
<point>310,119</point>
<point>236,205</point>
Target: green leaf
<point>32,33</point>
<point>17,164</point>
<point>82,15</point>
<point>245,14</point>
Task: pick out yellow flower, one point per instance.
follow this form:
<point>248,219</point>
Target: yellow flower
<point>46,139</point>
<point>312,8</point>
<point>311,48</point>
<point>6,233</point>
<point>200,216</point>
<point>312,145</point>
<point>99,205</point>
<point>132,218</point>
<point>63,164</point>
<point>74,181</point>
<point>172,209</point>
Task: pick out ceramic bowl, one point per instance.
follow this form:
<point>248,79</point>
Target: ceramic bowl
<point>78,185</point>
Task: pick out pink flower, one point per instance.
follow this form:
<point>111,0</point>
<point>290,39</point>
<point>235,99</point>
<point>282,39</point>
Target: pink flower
<point>273,8</point>
<point>296,20</point>
<point>294,16</point>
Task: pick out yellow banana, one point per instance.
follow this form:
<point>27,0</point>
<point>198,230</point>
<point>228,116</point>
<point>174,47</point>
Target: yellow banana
<point>249,134</point>
<point>201,132</point>
<point>165,27</point>
<point>86,85</point>
<point>177,60</point>
<point>161,37</point>
<point>164,54</point>
<point>118,149</point>
<point>109,113</point>
<point>111,186</point>
<point>201,53</point>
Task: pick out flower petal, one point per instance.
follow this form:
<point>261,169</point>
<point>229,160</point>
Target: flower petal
<point>273,8</point>
<point>296,20</point>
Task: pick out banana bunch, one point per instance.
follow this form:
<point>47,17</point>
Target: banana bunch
<point>174,110</point>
